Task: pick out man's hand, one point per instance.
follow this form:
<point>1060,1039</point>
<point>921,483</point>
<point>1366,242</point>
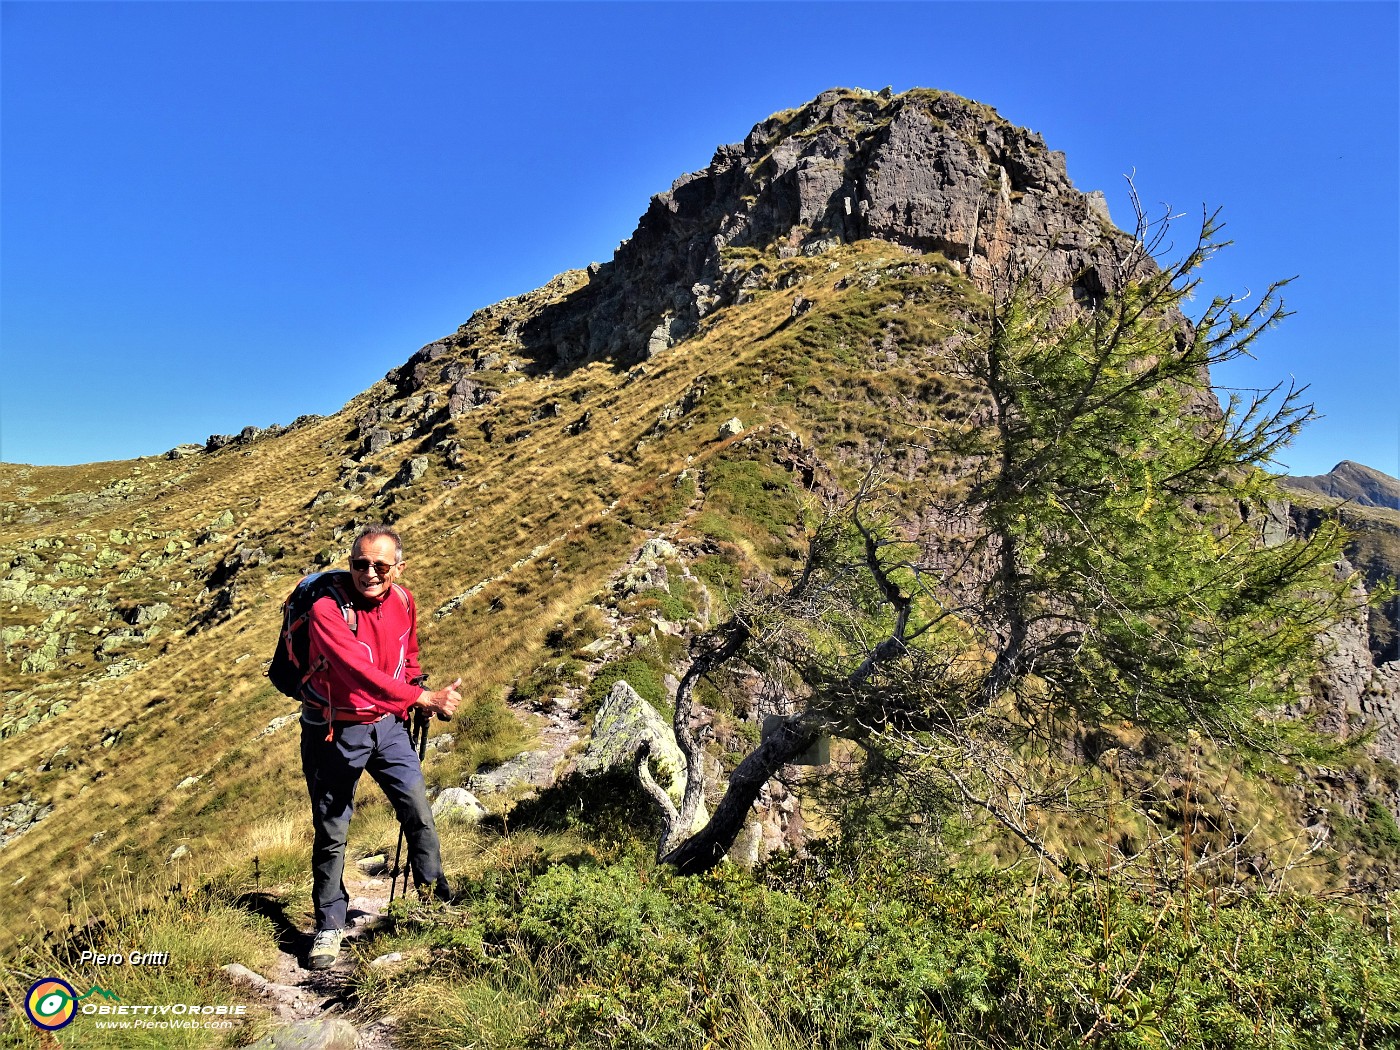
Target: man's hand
<point>441,702</point>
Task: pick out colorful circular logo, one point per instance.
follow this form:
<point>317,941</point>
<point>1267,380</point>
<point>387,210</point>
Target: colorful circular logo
<point>51,1003</point>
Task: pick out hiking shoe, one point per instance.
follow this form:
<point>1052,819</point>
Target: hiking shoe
<point>324,949</point>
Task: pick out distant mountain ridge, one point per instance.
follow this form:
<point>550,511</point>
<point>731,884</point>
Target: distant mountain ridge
<point>1354,482</point>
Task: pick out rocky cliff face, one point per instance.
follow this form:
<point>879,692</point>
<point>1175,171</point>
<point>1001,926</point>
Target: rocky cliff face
<point>924,170</point>
<point>1360,686</point>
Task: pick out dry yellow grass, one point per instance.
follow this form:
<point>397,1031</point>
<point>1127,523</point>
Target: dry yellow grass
<point>538,523</point>
<point>505,538</point>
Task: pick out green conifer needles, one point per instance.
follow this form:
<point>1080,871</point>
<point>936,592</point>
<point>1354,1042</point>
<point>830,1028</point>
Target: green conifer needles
<point>1136,560</point>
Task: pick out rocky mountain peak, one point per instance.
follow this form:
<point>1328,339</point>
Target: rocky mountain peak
<point>926,170</point>
<point>1362,485</point>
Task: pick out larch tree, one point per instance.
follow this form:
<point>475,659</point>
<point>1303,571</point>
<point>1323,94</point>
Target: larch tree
<point>1103,552</point>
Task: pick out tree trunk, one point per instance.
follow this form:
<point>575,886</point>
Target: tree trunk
<point>703,850</point>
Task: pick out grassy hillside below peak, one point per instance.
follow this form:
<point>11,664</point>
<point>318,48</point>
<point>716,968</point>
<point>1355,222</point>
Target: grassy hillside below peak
<point>144,596</point>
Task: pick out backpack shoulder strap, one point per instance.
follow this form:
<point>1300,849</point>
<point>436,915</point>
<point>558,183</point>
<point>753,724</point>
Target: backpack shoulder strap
<point>346,603</point>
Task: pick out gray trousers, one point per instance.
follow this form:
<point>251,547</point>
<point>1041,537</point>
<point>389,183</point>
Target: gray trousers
<point>332,769</point>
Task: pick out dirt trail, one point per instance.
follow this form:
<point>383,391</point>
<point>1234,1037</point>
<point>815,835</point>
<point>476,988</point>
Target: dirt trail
<point>295,995</point>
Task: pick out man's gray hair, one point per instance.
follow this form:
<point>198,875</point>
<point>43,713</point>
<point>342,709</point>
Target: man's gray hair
<point>369,532</point>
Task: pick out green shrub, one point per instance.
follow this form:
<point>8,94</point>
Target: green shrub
<point>873,951</point>
<point>723,571</point>
<point>641,674</point>
<point>1379,833</point>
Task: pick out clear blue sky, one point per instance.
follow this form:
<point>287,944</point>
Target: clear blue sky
<point>222,214</point>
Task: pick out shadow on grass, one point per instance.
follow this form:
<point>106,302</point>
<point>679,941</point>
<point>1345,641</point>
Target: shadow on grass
<point>290,940</point>
<point>606,806</point>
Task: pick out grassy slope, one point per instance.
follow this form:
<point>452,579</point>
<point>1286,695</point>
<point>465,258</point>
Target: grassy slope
<point>530,524</point>
<point>537,516</point>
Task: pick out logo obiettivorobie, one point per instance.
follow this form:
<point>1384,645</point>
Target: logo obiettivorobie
<point>52,1003</point>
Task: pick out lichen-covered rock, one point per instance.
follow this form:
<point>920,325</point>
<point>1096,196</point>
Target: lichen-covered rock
<point>377,439</point>
<point>647,572</point>
<point>276,724</point>
<point>149,614</point>
<point>458,804</point>
<point>19,817</point>
<point>526,772</point>
<point>624,722</point>
<point>410,472</point>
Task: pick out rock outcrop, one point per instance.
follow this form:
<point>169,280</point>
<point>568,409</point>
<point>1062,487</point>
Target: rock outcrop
<point>1359,685</point>
<point>624,723</point>
<point>925,170</point>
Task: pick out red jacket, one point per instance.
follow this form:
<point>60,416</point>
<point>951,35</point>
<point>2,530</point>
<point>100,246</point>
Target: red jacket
<point>367,672</point>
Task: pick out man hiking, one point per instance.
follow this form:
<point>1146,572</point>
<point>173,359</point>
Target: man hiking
<point>358,696</point>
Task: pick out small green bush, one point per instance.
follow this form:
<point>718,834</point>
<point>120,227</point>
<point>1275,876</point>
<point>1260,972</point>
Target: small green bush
<point>664,602</point>
<point>723,571</point>
<point>641,674</point>
<point>1380,833</point>
<point>872,951</point>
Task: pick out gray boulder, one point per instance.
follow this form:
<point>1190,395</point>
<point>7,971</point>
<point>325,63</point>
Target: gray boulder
<point>410,472</point>
<point>458,804</point>
<point>378,438</point>
<point>148,614</point>
<point>624,722</point>
<point>466,395</point>
<point>528,770</point>
<point>648,570</point>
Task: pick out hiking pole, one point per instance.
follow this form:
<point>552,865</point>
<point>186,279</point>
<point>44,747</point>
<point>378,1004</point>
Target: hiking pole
<point>418,737</point>
<point>420,730</point>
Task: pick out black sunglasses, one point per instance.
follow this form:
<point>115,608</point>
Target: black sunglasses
<point>363,564</point>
